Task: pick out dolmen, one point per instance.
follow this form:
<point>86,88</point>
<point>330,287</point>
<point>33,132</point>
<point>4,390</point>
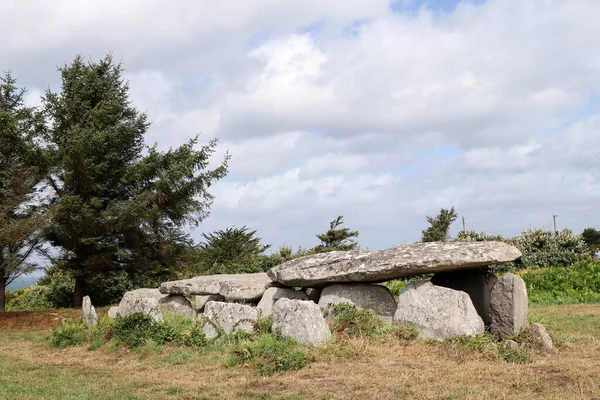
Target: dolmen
<point>462,298</point>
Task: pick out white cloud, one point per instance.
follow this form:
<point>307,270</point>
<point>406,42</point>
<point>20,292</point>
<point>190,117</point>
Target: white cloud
<point>353,116</point>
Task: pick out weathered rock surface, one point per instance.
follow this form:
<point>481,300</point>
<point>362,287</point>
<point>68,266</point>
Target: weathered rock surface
<point>228,317</point>
<point>265,306</point>
<point>301,321</point>
<point>235,287</point>
<point>541,338</point>
<point>113,312</point>
<point>201,300</point>
<point>129,299</point>
<point>397,262</point>
<point>476,283</point>
<point>437,312</point>
<point>90,318</point>
<point>177,304</point>
<point>362,295</point>
<point>148,306</point>
<point>508,304</point>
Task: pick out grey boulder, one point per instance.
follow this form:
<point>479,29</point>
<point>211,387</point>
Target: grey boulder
<point>541,338</point>
<point>201,300</point>
<point>397,262</point>
<point>126,306</point>
<point>301,321</point>
<point>177,304</point>
<point>113,312</point>
<point>148,306</point>
<point>265,306</point>
<point>90,318</point>
<point>235,287</point>
<point>226,318</point>
<point>509,305</point>
<point>437,312</point>
<point>476,283</point>
<point>376,298</point>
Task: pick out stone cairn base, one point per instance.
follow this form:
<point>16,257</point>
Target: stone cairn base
<point>462,298</point>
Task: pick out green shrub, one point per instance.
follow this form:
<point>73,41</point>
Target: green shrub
<point>134,330</point>
<point>396,286</point>
<point>31,298</point>
<point>579,283</point>
<point>269,353</point>
<point>354,321</point>
<point>486,343</point>
<point>71,333</point>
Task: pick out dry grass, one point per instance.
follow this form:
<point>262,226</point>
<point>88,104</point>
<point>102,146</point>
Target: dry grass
<point>352,369</point>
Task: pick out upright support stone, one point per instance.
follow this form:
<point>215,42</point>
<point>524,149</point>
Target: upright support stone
<point>509,305</point>
<point>265,306</point>
<point>90,318</point>
<point>227,318</point>
<point>376,298</point>
<point>476,283</point>
<point>301,321</point>
<point>177,304</point>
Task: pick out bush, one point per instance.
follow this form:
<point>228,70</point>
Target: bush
<point>31,298</point>
<point>269,353</point>
<point>71,333</point>
<point>579,283</point>
<point>544,249</point>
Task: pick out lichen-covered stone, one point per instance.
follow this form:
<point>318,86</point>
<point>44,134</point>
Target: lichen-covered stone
<point>509,305</point>
<point>234,287</point>
<point>90,318</point>
<point>301,321</point>
<point>376,298</point>
<point>265,306</point>
<point>226,318</point>
<point>177,304</point>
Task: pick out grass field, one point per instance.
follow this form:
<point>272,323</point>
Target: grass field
<point>346,369</point>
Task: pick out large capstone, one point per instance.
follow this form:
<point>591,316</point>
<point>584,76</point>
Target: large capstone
<point>177,304</point>
<point>90,318</point>
<point>509,305</point>
<point>129,298</point>
<point>368,296</point>
<point>301,321</point>
<point>437,312</point>
<point>234,287</point>
<point>265,306</point>
<point>476,283</point>
<point>225,318</point>
<point>397,262</point>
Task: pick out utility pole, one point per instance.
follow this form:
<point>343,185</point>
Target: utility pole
<point>464,228</point>
<point>554,218</point>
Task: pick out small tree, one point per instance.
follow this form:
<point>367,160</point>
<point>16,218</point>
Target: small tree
<point>439,229</point>
<point>20,219</point>
<point>233,250</point>
<point>591,237</point>
<point>336,238</point>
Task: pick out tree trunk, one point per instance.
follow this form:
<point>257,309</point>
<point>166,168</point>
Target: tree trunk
<point>79,291</point>
<point>3,293</point>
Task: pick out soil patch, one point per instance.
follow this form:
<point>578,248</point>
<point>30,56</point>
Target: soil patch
<point>38,320</point>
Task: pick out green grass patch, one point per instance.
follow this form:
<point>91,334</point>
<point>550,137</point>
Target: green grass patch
<point>578,283</point>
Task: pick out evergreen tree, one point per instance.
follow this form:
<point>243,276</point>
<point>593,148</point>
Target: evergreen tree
<point>591,237</point>
<point>233,250</point>
<point>20,218</point>
<point>116,204</point>
<point>439,227</point>
<point>336,238</point>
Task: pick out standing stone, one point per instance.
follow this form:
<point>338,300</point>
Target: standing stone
<point>148,306</point>
<point>90,318</point>
<point>508,305</point>
<point>377,298</point>
<point>301,321</point>
<point>113,312</point>
<point>227,318</point>
<point>265,306</point>
<point>177,304</point>
<point>129,299</point>
<point>541,338</point>
<point>318,270</point>
<point>201,300</point>
<point>476,283</point>
<point>437,312</point>
<point>235,287</point>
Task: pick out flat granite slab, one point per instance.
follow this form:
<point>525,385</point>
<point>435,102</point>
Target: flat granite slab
<point>397,262</point>
<point>236,287</point>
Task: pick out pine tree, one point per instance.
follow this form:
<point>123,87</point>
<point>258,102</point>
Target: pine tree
<point>336,238</point>
<point>117,205</point>
<point>439,229</point>
<point>20,218</point>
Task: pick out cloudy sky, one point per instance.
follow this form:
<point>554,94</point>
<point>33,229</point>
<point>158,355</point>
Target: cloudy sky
<point>381,111</point>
